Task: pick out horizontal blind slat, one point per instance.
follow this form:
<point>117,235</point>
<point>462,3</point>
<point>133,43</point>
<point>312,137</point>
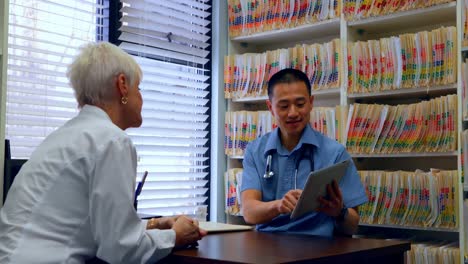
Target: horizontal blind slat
<point>172,210</point>
<point>158,34</point>
<point>152,24</point>
<point>185,9</point>
<point>175,175</point>
<point>154,65</point>
<point>168,17</point>
<point>164,44</point>
<point>186,108</point>
<point>27,100</point>
<point>40,89</point>
<point>157,184</point>
<point>170,149</point>
<point>149,199</point>
<point>174,80</point>
<point>174,90</point>
<point>200,4</point>
<point>82,5</point>
<point>148,114</point>
<point>41,111</point>
<point>175,98</point>
<point>150,51</point>
<point>165,131</point>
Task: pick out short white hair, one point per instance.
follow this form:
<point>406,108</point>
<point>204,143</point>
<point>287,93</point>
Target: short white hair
<point>93,72</point>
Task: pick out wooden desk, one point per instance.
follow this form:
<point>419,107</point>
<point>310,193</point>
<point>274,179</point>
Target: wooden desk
<point>258,247</point>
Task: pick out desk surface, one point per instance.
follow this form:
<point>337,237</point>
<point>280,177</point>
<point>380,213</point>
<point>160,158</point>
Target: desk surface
<point>258,247</point>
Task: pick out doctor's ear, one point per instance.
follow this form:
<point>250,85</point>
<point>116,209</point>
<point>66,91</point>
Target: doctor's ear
<point>269,105</point>
<point>311,100</point>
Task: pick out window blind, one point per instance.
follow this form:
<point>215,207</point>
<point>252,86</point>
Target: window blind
<point>170,40</point>
<point>44,35</point>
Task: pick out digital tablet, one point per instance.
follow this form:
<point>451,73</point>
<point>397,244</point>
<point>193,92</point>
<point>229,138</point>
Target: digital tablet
<point>316,186</point>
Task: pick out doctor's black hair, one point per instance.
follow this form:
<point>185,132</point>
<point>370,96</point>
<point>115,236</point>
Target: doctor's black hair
<point>287,76</point>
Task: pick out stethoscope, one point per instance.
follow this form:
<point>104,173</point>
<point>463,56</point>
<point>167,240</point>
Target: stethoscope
<point>269,173</point>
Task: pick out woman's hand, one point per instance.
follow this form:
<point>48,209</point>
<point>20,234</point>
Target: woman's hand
<point>187,231</point>
<point>161,223</point>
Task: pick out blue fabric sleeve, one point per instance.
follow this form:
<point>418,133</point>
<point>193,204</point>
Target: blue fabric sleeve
<point>250,177</point>
<point>351,187</point>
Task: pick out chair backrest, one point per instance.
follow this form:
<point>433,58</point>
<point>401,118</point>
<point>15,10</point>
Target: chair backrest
<point>10,169</point>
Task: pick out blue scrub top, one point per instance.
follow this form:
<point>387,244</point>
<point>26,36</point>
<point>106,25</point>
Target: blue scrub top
<point>315,151</point>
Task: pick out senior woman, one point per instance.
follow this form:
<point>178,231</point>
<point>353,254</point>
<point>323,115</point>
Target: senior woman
<point>73,200</point>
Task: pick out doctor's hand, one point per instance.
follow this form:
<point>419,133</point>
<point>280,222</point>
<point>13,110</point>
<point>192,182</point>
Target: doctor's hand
<point>187,231</point>
<point>333,205</point>
<point>287,204</point>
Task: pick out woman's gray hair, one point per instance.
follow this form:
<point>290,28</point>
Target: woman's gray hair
<point>93,72</point>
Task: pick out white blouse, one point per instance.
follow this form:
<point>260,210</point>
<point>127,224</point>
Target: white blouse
<point>74,200</point>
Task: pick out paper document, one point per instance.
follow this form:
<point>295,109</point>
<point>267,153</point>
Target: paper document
<point>213,227</point>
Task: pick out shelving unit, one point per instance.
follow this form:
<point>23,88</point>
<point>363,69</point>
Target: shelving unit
<point>372,28</point>
<point>400,23</point>
<point>3,73</point>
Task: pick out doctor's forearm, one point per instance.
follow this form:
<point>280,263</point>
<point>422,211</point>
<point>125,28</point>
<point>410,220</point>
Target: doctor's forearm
<point>257,212</point>
<point>350,224</point>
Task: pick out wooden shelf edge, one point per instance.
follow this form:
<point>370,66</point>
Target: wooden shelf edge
<point>326,92</point>
<point>435,229</point>
<point>405,155</point>
<point>391,155</point>
<point>405,91</point>
<point>249,99</point>
<point>318,93</point>
<point>279,32</point>
<point>396,15</point>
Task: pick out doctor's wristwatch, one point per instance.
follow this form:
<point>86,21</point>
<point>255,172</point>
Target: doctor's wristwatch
<point>343,214</point>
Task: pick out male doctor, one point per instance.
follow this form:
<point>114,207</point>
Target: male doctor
<point>270,193</point>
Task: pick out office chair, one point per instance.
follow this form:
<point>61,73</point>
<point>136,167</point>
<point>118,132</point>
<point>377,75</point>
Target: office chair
<point>10,169</point>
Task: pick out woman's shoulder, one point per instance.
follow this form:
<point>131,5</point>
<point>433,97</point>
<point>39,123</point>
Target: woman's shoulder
<point>84,135</point>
